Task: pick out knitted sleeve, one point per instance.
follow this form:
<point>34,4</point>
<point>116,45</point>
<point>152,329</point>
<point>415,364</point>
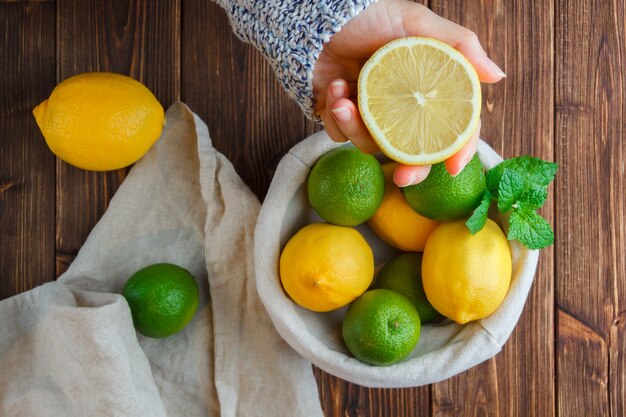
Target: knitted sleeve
<point>291,34</point>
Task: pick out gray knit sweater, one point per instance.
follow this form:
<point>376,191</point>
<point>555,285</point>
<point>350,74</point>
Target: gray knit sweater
<point>291,34</point>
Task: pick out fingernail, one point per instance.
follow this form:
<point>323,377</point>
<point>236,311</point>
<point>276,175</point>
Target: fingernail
<point>493,67</point>
<point>342,114</point>
<point>402,184</point>
<point>415,178</point>
<point>461,167</point>
<point>337,89</point>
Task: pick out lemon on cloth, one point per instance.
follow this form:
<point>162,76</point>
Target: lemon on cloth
<point>162,298</point>
<point>346,186</point>
<point>100,121</point>
<point>465,276</point>
<point>403,274</point>
<point>396,222</point>
<point>324,266</point>
<point>381,327</point>
<point>420,100</point>
<point>444,197</point>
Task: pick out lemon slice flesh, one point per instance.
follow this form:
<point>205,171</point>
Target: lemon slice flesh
<point>420,100</point>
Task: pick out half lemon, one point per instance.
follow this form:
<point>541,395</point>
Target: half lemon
<point>420,100</point>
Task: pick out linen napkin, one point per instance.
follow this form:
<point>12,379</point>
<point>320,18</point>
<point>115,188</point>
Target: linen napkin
<point>68,348</point>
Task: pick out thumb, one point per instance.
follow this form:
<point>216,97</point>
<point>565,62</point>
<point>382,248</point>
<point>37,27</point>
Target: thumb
<point>418,20</point>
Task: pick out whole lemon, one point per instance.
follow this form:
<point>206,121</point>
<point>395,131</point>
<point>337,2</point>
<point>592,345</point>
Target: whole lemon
<point>100,121</point>
<point>465,276</point>
<point>396,222</point>
<point>324,267</point>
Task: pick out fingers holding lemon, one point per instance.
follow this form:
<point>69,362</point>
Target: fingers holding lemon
<point>420,99</point>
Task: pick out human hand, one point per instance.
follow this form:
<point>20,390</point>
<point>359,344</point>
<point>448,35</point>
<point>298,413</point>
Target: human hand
<point>337,70</point>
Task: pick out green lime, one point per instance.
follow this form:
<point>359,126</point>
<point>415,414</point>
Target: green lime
<point>346,186</point>
<point>403,274</point>
<point>444,197</point>
<point>162,298</point>
<point>381,327</point>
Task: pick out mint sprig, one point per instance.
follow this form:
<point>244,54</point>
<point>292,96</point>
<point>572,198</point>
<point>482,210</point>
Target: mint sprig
<point>519,186</point>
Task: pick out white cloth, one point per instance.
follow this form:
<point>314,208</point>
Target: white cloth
<point>443,350</point>
<point>68,348</point>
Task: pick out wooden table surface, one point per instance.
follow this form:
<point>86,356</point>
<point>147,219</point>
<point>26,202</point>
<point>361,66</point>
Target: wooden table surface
<point>563,100</point>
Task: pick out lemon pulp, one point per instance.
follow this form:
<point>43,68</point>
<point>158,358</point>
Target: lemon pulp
<point>420,99</point>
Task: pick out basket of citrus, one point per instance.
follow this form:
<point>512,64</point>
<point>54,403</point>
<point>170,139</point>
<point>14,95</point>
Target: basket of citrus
<point>395,287</point>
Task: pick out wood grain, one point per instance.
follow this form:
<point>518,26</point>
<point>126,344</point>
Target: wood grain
<point>582,349</point>
<point>590,137</point>
<point>517,119</point>
<point>138,38</point>
<point>341,398</point>
<point>231,87</point>
<point>617,366</point>
<point>26,165</point>
<point>473,393</point>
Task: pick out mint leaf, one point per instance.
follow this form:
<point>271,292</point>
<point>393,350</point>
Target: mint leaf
<point>478,219</point>
<point>529,228</point>
<point>493,179</point>
<point>534,198</point>
<point>510,189</point>
<point>536,172</point>
<point>519,185</point>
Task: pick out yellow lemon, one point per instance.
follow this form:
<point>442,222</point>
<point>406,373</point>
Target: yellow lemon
<point>100,121</point>
<point>465,276</point>
<point>324,267</point>
<point>396,222</point>
<point>420,100</point>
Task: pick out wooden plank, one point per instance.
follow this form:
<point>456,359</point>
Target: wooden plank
<point>591,240</point>
<point>340,398</point>
<point>580,369</point>
<point>139,38</point>
<point>473,393</point>
<point>26,164</point>
<point>231,87</point>
<point>517,120</point>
